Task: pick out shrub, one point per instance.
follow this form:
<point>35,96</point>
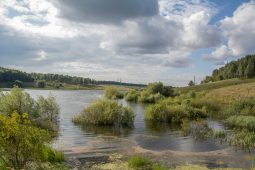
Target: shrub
<point>48,108</point>
<point>146,97</point>
<point>113,93</point>
<point>18,83</point>
<point>106,112</point>
<point>171,112</point>
<point>18,101</point>
<point>20,141</point>
<point>132,96</point>
<point>43,112</point>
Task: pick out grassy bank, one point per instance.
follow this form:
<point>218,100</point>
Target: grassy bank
<point>215,85</point>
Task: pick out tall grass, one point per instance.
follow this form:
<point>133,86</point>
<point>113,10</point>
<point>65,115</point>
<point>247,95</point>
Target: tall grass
<point>142,163</point>
<point>51,155</point>
<point>242,122</point>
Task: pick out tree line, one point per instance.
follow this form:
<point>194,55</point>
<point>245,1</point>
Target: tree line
<point>16,77</point>
<point>243,68</point>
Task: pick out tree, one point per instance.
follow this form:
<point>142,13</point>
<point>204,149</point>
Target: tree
<point>191,83</point>
<point>41,84</point>
<point>20,141</point>
<point>18,83</point>
<point>154,88</point>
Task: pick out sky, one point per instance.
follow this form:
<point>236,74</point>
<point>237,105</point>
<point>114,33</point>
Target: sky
<point>137,41</point>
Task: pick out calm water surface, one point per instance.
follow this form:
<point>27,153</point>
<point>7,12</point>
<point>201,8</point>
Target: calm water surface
<point>91,140</point>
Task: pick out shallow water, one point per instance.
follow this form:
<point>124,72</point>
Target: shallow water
<point>84,141</point>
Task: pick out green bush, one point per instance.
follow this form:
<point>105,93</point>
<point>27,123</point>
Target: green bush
<point>43,112</point>
<point>113,93</point>
<point>18,101</point>
<point>246,122</point>
<point>146,97</point>
<point>170,111</point>
<point>106,112</point>
<point>18,134</point>
<point>132,96</point>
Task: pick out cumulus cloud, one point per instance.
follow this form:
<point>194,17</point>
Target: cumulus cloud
<point>118,38</point>
<point>239,34</point>
<point>106,12</point>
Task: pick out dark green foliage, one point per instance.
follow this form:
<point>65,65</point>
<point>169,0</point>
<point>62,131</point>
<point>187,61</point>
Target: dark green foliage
<point>106,112</point>
<point>154,92</point>
<point>158,87</point>
<point>9,76</point>
<point>41,84</point>
<point>242,68</point>
<point>191,83</point>
<point>18,83</point>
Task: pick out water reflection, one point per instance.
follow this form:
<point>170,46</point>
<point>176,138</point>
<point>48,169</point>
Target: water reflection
<point>106,130</point>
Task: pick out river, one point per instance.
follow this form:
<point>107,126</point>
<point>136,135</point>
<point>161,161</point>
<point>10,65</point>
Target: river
<point>163,142</point>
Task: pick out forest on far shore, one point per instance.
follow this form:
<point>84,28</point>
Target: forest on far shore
<point>10,77</point>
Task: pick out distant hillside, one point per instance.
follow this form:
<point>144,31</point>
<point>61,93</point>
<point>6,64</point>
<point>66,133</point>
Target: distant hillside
<point>9,77</point>
<point>243,68</point>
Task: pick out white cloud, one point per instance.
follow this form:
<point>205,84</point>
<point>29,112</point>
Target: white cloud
<point>239,32</point>
<point>42,55</point>
<point>130,46</point>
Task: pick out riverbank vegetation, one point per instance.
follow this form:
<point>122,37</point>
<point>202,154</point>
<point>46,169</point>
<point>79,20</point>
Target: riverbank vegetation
<point>151,94</point>
<point>42,112</point>
<point>113,93</point>
<point>105,112</point>
<point>139,162</point>
<point>26,128</point>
